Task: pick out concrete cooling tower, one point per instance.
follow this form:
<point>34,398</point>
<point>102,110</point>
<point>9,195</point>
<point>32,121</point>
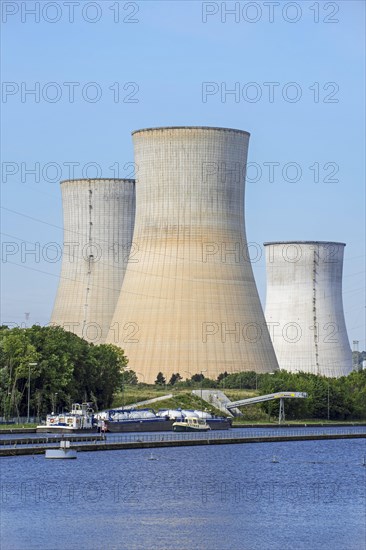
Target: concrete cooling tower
<point>189,302</point>
<point>304,309</point>
<point>99,217</point>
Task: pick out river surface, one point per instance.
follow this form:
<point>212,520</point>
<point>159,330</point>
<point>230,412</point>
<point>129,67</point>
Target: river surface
<point>296,495</point>
<point>214,434</point>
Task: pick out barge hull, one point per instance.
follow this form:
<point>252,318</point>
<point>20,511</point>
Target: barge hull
<point>157,425</point>
<point>64,430</point>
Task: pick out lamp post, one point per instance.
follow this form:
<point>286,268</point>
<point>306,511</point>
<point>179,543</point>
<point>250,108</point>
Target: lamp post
<point>328,402</point>
<point>29,366</point>
<point>8,408</point>
<point>270,402</point>
<point>202,371</point>
<point>143,379</point>
<point>123,386</point>
<point>187,371</point>
<point>55,402</point>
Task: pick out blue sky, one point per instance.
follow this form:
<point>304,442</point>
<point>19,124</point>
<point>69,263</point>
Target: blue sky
<point>159,64</point>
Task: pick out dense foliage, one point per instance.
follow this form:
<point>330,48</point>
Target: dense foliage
<point>341,398</point>
<point>174,379</point>
<point>62,368</point>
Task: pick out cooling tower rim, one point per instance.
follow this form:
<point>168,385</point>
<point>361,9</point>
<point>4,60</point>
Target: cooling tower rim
<point>127,180</point>
<point>216,128</point>
<point>303,242</point>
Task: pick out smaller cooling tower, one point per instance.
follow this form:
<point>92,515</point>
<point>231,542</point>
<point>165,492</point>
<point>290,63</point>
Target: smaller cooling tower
<point>99,218</point>
<point>304,309</point>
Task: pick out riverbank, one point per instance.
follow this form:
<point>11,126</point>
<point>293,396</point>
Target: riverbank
<point>318,424</point>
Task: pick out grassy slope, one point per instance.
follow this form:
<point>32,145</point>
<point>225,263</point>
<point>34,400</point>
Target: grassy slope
<point>184,399</point>
<point>135,394</point>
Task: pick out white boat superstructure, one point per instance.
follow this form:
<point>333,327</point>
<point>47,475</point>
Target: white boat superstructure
<point>191,424</point>
<point>80,418</point>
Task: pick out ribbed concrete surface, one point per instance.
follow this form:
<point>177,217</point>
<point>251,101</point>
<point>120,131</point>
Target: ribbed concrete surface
<point>304,307</point>
<point>189,302</point>
<point>98,227</point>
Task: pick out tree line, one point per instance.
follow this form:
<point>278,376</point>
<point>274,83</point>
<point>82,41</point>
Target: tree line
<point>341,398</point>
<point>59,368</point>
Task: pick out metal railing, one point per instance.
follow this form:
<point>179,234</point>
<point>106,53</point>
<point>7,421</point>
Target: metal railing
<point>253,434</point>
<point>15,420</point>
<point>221,435</point>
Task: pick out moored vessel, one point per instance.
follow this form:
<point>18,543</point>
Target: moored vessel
<point>191,424</point>
<point>79,419</point>
<point>147,420</point>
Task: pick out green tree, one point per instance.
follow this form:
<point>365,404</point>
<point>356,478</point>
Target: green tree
<point>107,366</point>
<point>174,379</point>
<point>16,354</point>
<point>131,378</point>
<point>62,366</point>
<point>160,379</point>
<point>222,376</point>
<point>66,365</point>
<point>197,377</point>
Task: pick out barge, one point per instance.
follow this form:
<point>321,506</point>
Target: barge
<point>146,420</point>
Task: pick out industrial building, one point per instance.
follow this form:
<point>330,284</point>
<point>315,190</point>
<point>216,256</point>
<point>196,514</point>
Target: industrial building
<point>189,302</point>
<point>304,308</point>
<point>99,218</point>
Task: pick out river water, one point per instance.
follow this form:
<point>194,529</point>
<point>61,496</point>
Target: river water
<point>258,496</point>
<point>214,434</point>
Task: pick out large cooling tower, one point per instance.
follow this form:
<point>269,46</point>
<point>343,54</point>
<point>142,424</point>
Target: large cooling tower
<point>98,226</point>
<point>304,309</point>
<point>189,302</point>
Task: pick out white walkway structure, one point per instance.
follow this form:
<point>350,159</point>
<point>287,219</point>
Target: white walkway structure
<point>269,397</point>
